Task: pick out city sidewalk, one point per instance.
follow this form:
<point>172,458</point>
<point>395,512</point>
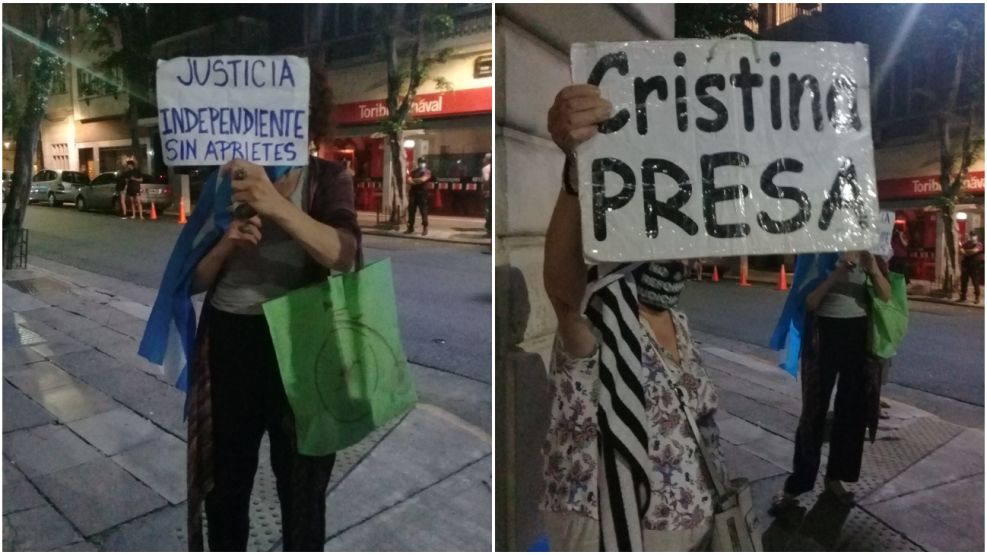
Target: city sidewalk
<point>771,278</point>
<point>921,485</point>
<point>450,229</point>
<point>441,228</point>
<point>94,443</point>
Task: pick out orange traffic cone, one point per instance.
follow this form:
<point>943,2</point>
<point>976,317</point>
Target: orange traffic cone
<point>743,276</point>
<point>782,279</point>
<point>716,275</point>
<point>181,211</point>
<point>154,212</point>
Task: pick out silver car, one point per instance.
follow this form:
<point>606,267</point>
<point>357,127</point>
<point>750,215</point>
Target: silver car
<point>56,186</point>
<point>103,193</point>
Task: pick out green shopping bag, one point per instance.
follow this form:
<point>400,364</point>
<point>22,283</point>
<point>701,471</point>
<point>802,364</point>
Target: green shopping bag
<point>889,320</point>
<point>341,359</point>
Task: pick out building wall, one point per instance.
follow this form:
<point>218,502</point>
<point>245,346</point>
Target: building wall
<point>369,82</point>
<point>532,65</point>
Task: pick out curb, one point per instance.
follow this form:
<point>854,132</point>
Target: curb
<point>922,298</point>
<point>417,237</point>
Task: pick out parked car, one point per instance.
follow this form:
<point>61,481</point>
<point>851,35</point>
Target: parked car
<point>102,194</point>
<point>56,186</point>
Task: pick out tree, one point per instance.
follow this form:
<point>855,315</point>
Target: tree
<point>703,21</point>
<point>129,57</point>
<point>406,42</point>
<point>956,85</point>
<point>28,111</point>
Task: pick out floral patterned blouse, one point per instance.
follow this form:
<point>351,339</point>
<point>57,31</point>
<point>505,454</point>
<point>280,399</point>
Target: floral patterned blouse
<point>682,496</point>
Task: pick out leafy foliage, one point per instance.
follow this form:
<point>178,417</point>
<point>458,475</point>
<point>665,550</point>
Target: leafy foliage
<point>703,21</point>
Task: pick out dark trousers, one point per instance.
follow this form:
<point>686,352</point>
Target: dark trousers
<point>968,273</point>
<point>248,399</point>
<point>417,200</point>
<point>841,362</point>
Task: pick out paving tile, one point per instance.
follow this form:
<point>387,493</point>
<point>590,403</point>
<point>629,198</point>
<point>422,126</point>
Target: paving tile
<point>35,378</point>
<point>961,457</point>
<point>144,394</point>
<point>63,344</point>
<point>461,503</point>
<point>774,449</point>
<point>744,464</point>
<point>739,431</point>
<point>18,301</point>
<point>83,363</point>
<point>69,323</point>
<point>46,449</point>
<point>14,358</point>
<point>938,519</point>
<point>20,412</point>
<point>81,546</point>
<point>73,401</point>
<point>117,430</point>
<point>41,529</point>
<point>419,452</point>
<point>95,335</point>
<point>21,496</point>
<point>98,495</point>
<point>162,530</point>
<point>159,464</point>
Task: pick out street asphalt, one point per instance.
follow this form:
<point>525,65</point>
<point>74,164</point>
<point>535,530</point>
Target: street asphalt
<point>943,353</point>
<point>443,291</point>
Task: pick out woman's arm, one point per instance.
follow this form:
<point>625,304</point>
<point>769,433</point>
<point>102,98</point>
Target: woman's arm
<point>331,247</point>
<point>877,276</point>
<point>573,118</point>
<point>565,276</point>
<point>241,233</point>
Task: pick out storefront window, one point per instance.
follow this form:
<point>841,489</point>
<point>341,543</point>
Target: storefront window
<point>919,227</point>
<point>454,155</point>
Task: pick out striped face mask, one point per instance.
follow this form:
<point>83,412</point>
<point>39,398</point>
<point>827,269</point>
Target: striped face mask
<point>659,284</point>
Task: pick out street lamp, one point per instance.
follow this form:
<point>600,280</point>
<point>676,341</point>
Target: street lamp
<point>961,216</point>
<point>409,143</point>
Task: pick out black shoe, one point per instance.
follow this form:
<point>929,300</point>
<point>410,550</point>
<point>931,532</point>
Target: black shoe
<point>409,230</point>
<point>424,231</point>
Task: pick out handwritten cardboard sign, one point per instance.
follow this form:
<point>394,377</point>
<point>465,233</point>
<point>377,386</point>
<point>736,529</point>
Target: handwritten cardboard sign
<point>725,148</point>
<point>214,109</point>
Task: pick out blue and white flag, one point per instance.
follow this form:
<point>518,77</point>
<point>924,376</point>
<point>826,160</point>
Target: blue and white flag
<point>810,270</point>
<point>169,337</point>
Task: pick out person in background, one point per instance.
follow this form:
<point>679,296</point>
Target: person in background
<point>899,252</point>
<point>419,178</point>
<point>488,191</point>
<point>134,180</point>
<point>972,252</point>
<point>592,489</point>
<point>123,187</point>
<point>835,353</point>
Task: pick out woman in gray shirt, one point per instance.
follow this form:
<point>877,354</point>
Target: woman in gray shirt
<point>835,353</point>
<point>304,226</point>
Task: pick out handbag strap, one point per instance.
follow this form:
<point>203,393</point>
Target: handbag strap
<point>711,471</point>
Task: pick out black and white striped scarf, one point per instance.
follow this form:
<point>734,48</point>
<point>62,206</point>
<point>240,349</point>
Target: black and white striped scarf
<point>624,484</point>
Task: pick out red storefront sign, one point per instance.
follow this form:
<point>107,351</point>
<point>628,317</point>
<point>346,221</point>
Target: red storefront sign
<point>924,187</point>
<point>430,105</point>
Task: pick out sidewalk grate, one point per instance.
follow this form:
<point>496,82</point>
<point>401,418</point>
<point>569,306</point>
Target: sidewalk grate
<point>18,336</point>
<point>894,452</point>
<point>855,529</point>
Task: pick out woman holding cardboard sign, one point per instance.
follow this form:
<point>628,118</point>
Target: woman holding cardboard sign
<point>624,468</point>
<point>288,232</point>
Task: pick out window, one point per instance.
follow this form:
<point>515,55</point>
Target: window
<point>90,85</point>
<point>58,85</point>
